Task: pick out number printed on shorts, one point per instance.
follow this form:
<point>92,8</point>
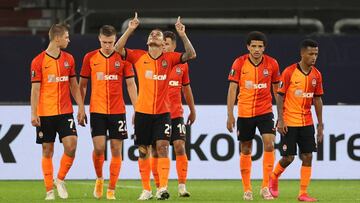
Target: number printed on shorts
<point>71,123</point>
<point>182,128</point>
<point>122,126</point>
<point>167,129</point>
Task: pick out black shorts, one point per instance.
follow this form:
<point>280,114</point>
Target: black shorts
<point>152,127</point>
<point>115,124</point>
<point>178,129</point>
<point>246,127</point>
<point>302,136</point>
<point>63,124</point>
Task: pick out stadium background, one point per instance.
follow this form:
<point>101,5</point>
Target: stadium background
<point>23,34</point>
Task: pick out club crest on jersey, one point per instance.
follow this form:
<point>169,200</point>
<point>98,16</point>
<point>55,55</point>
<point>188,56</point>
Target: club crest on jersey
<point>164,63</point>
<point>66,64</point>
<point>313,82</point>
<point>266,72</point>
<point>178,70</point>
<point>117,64</point>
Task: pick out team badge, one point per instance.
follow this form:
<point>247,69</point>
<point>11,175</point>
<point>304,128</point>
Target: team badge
<point>232,72</point>
<point>164,63</point>
<point>66,64</point>
<point>266,72</point>
<point>313,82</point>
<point>41,134</point>
<point>178,70</point>
<point>33,74</point>
<point>284,147</point>
<point>117,64</point>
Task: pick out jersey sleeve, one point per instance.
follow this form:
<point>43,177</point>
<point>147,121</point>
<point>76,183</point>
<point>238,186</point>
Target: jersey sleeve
<point>132,55</point>
<point>185,77</point>
<point>235,71</point>
<point>85,68</point>
<point>72,66</point>
<point>319,87</point>
<point>276,72</point>
<point>128,70</point>
<point>175,58</point>
<point>284,81</point>
<point>36,72</point>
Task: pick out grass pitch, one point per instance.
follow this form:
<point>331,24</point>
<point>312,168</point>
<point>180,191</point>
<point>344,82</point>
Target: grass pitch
<point>201,191</point>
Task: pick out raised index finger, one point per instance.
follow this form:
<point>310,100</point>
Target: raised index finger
<point>136,15</point>
<point>178,19</point>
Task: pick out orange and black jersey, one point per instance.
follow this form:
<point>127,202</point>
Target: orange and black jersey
<point>53,74</point>
<point>153,78</point>
<point>254,82</point>
<point>107,74</point>
<point>299,90</point>
<point>179,77</point>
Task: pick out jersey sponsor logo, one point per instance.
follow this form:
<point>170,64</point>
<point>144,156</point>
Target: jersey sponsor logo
<point>174,83</point>
<point>53,78</point>
<point>66,65</point>
<point>250,85</point>
<point>301,93</point>
<point>164,63</point>
<point>178,70</point>
<point>102,76</point>
<point>150,75</point>
<point>265,72</point>
<point>313,82</point>
<point>117,64</point>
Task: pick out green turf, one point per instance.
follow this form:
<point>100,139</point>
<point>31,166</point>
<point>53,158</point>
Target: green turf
<point>201,191</point>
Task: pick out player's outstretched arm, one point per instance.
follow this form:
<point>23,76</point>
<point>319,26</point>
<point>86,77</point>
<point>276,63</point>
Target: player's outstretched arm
<point>189,49</point>
<point>231,97</point>
<point>189,98</point>
<point>35,93</point>
<point>320,126</point>
<point>120,44</point>
<point>75,92</point>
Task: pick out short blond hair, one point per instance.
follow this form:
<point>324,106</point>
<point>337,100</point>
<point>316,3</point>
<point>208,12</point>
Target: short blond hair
<point>57,30</point>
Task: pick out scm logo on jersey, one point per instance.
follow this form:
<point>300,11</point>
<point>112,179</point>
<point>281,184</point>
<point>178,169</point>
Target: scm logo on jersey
<point>53,78</point>
<point>300,93</point>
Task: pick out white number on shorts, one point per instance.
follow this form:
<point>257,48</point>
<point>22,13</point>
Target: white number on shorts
<point>122,127</point>
<point>167,129</point>
<point>182,128</point>
<point>71,123</point>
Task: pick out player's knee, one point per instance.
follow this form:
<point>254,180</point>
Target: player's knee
<point>288,159</point>
<point>268,147</point>
<point>70,150</point>
<point>179,149</point>
<point>47,151</point>
<point>163,150</point>
<point>306,159</point>
<point>246,147</point>
<point>143,152</point>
